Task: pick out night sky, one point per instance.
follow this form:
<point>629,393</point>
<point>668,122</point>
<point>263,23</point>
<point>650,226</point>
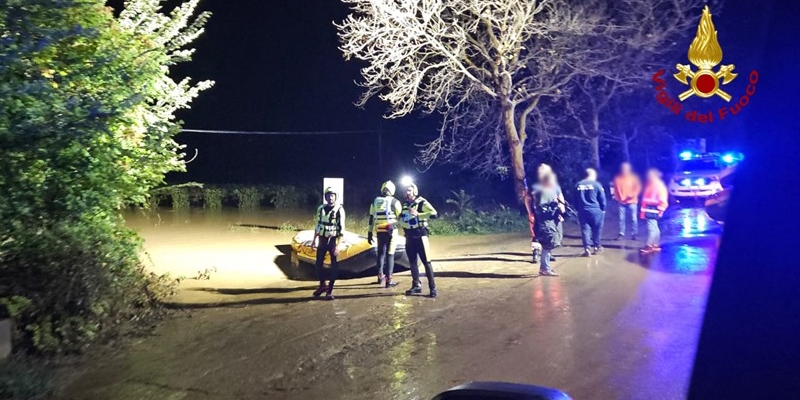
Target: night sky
<point>277,67</point>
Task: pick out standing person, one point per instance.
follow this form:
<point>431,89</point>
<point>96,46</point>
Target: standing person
<point>383,213</point>
<point>541,172</point>
<point>414,219</point>
<point>591,212</point>
<point>654,202</point>
<point>546,213</point>
<point>329,231</point>
<point>627,188</point>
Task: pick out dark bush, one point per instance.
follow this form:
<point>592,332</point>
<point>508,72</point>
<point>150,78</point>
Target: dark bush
<point>25,379</point>
<point>66,284</point>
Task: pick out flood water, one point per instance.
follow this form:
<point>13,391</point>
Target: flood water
<point>614,326</point>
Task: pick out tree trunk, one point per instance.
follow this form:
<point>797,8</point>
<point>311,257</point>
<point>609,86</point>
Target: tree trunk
<point>594,142</point>
<point>515,152</point>
<point>626,151</point>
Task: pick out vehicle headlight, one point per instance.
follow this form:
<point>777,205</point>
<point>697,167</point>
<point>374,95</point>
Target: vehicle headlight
<point>685,182</point>
<point>700,181</point>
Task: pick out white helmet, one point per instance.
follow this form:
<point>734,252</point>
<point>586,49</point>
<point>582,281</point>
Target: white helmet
<point>388,188</point>
<point>330,191</point>
<point>414,189</point>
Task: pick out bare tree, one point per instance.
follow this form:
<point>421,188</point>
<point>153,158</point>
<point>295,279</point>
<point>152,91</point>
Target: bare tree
<point>647,32</point>
<point>485,65</point>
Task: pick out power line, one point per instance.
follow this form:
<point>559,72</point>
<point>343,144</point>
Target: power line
<point>225,132</point>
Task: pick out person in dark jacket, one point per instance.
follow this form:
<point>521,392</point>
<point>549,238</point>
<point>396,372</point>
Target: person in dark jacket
<point>591,212</point>
<point>546,213</point>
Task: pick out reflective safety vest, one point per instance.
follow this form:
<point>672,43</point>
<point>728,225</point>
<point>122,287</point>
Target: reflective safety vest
<point>329,222</point>
<point>655,198</point>
<point>384,212</point>
<point>424,210</point>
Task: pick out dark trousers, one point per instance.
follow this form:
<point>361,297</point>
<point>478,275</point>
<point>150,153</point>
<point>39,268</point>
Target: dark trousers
<point>418,247</point>
<point>327,245</point>
<point>386,248</point>
<point>591,227</point>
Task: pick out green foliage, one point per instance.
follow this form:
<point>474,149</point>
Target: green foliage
<point>182,194</point>
<point>180,199</point>
<point>83,131</point>
<point>212,198</point>
<point>249,198</point>
<point>65,284</point>
<point>286,198</point>
<point>500,220</point>
<point>462,201</point>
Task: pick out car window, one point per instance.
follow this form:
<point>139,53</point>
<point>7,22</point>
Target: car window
<point>698,165</point>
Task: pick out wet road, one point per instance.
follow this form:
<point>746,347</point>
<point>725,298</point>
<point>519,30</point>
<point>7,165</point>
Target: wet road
<point>611,327</point>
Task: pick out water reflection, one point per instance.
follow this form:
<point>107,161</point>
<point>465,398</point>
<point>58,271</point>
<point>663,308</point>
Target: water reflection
<point>689,222</point>
<point>403,384</point>
<point>550,304</point>
<point>690,241</point>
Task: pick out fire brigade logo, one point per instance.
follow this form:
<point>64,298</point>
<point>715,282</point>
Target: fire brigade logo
<point>705,53</point>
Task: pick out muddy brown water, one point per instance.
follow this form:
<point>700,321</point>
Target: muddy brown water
<point>612,326</point>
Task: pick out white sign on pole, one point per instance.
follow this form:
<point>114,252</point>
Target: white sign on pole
<point>337,184</point>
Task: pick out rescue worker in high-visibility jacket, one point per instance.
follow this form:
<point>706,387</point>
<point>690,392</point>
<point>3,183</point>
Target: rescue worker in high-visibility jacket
<point>329,231</point>
<point>383,214</point>
<point>414,220</point>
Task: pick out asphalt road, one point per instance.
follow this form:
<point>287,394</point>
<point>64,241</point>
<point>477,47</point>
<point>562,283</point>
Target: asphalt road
<point>613,326</point>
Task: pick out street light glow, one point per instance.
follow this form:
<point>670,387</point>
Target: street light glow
<point>406,180</point>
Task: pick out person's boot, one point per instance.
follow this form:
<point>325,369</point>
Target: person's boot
<point>586,253</point>
<point>552,258</point>
<point>433,293</point>
<point>536,256</point>
<point>321,289</point>
<point>390,269</point>
<point>549,272</point>
<point>329,294</point>
<point>621,236</point>
<point>381,279</point>
<point>416,288</point>
<point>598,250</point>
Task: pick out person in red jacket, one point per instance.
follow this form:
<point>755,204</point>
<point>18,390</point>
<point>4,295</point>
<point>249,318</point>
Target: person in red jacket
<point>654,202</point>
<point>627,189</point>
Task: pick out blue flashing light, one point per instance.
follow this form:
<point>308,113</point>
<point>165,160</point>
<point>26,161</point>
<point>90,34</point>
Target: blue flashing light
<point>700,181</point>
<point>686,182</point>
<point>685,155</point>
<point>728,158</point>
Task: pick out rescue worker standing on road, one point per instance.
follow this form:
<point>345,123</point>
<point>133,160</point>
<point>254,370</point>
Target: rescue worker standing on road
<point>591,212</point>
<point>654,202</point>
<point>546,211</point>
<point>627,188</point>
<point>383,213</point>
<point>414,219</point>
<point>541,172</point>
<point>329,231</point>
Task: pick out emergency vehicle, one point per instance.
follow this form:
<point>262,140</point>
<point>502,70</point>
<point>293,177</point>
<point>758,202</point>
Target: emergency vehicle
<point>698,175</point>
